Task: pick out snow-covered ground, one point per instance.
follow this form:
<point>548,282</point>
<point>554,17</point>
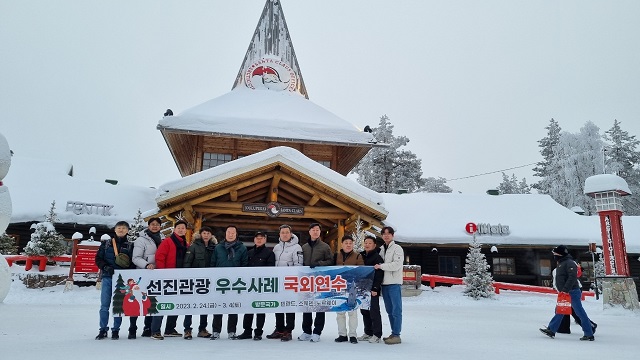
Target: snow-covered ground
<point>440,323</point>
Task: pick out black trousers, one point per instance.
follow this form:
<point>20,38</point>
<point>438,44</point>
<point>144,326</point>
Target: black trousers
<point>307,321</point>
<point>133,326</point>
<point>290,324</point>
<point>172,321</point>
<point>372,319</point>
<point>188,319</point>
<point>232,323</point>
<point>247,321</point>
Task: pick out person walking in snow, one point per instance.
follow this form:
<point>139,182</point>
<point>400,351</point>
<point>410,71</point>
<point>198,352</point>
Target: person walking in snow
<point>107,261</point>
<point>566,279</point>
<point>199,256</point>
<point>393,256</point>
<point>287,253</point>
<point>371,318</point>
<point>144,257</point>
<point>346,256</point>
<point>315,253</point>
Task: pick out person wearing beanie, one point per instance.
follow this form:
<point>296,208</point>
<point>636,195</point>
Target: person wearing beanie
<point>566,280</point>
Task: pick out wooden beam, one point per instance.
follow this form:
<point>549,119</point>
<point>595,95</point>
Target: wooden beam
<point>234,195</point>
<point>273,189</point>
<point>295,191</point>
<point>314,199</point>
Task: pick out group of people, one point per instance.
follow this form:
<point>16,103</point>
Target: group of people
<point>150,251</point>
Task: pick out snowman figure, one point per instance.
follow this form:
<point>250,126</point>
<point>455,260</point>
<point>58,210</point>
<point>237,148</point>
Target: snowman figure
<point>5,214</point>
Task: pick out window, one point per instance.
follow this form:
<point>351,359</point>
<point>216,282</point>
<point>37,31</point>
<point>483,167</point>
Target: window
<point>210,160</point>
<point>545,267</point>
<point>587,270</point>
<point>504,266</point>
<point>325,163</point>
<point>449,265</point>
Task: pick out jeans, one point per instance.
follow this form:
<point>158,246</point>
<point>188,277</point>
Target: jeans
<point>576,305</point>
<point>392,296</point>
<point>307,321</point>
<point>105,304</point>
<point>188,320</point>
<point>372,319</point>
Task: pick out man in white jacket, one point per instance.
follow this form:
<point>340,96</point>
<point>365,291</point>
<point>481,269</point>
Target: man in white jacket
<point>393,256</point>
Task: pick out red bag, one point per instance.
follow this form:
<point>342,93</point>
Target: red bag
<point>563,305</point>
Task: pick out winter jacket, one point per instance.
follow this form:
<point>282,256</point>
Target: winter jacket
<point>317,253</point>
<point>144,250</point>
<point>370,259</point>
<point>566,274</point>
<point>199,255</point>
<point>288,253</point>
<point>261,256</point>
<point>223,257</point>
<point>352,258</point>
<point>393,256</point>
<point>166,256</point>
<point>106,256</point>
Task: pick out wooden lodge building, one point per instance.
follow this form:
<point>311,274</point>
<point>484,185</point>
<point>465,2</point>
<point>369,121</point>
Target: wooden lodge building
<point>264,155</point>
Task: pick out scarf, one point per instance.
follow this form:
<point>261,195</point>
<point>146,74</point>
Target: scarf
<point>155,236</point>
<point>229,246</point>
<point>181,249</point>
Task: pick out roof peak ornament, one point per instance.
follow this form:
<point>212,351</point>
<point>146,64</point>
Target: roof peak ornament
<point>270,62</point>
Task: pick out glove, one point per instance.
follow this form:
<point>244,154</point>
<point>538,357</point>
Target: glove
<point>108,270</point>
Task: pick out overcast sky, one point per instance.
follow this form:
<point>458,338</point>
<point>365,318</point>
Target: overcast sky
<point>471,83</point>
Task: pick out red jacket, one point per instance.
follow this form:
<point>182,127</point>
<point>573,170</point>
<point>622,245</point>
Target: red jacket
<point>166,253</point>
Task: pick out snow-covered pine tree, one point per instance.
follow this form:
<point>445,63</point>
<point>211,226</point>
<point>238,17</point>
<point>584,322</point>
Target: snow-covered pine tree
<point>45,240</point>
<point>513,185</point>
<point>358,236</point>
<point>478,279</point>
<point>433,185</point>
<point>545,169</point>
<point>598,272</point>
<point>137,226</point>
<point>8,245</point>
<point>623,158</point>
<point>389,169</point>
<point>577,157</point>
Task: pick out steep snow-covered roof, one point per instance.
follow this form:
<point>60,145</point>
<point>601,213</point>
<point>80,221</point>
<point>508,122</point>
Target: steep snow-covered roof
<point>282,154</point>
<point>532,220</point>
<point>34,184</point>
<point>266,114</point>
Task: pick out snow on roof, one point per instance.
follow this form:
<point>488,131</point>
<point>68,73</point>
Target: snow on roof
<point>604,183</point>
<point>34,184</point>
<point>532,220</point>
<point>285,155</point>
<point>268,115</point>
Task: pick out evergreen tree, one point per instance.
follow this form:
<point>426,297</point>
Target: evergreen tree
<point>8,245</point>
<point>389,169</point>
<point>358,236</point>
<point>545,169</point>
<point>598,272</point>
<point>118,296</point>
<point>45,240</point>
<point>478,279</point>
<point>138,225</point>
<point>577,157</point>
<point>433,185</point>
<point>622,158</point>
<point>513,185</point>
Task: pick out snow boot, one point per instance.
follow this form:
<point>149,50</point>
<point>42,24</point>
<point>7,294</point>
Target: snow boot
<point>101,335</point>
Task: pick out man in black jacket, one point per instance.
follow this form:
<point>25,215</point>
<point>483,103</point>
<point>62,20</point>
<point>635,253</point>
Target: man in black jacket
<point>567,282</point>
<point>260,255</point>
<point>371,318</point>
<point>106,262</point>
